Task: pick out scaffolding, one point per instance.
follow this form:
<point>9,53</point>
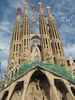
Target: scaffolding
<point>52,68</point>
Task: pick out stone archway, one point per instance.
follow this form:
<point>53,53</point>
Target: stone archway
<point>73,90</point>
<point>5,96</point>
<point>17,93</point>
<point>62,91</point>
<point>38,88</point>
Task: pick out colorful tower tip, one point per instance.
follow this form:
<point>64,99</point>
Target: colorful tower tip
<point>48,9</point>
<point>19,10</point>
<point>26,5</point>
<point>40,3</point>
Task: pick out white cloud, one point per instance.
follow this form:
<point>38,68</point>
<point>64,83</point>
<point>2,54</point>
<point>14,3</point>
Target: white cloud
<point>70,50</point>
<point>16,4</point>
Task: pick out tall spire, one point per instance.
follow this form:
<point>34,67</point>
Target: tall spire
<point>15,46</point>
<point>45,39</point>
<point>40,7</point>
<point>25,37</point>
<point>56,44</point>
<point>14,56</point>
<point>19,11</point>
<point>49,13</point>
<point>26,7</point>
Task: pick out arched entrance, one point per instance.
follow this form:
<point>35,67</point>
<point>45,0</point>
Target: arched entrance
<point>5,95</point>
<point>38,88</point>
<point>73,90</point>
<point>17,93</point>
<point>62,91</point>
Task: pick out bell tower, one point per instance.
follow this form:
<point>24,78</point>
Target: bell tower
<point>26,49</point>
<point>15,47</point>
<point>56,44</point>
<point>45,38</point>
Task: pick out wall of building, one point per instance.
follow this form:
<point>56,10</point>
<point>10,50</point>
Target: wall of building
<point>39,83</point>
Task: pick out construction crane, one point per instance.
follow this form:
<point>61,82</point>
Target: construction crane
<point>34,22</point>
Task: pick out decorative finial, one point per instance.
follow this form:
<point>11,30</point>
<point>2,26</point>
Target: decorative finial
<point>48,9</point>
<point>35,41</point>
<point>26,5</point>
<point>40,5</point>
<point>19,10</point>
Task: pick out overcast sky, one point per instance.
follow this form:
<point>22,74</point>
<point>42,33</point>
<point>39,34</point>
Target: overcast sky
<point>62,10</point>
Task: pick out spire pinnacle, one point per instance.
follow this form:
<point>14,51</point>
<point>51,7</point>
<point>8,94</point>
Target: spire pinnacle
<point>26,5</point>
<point>49,12</point>
<point>19,11</point>
<point>48,9</point>
<point>40,5</point>
<point>35,41</point>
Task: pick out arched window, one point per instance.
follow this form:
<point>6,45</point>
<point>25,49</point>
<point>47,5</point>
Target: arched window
<point>24,42</point>
<point>46,41</point>
<point>58,46</point>
<point>14,48</point>
<point>43,41</point>
<point>15,35</point>
<point>27,41</point>
<point>17,47</point>
<point>19,61</point>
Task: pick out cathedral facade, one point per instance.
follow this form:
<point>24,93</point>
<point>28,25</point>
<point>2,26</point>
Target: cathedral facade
<point>37,72</point>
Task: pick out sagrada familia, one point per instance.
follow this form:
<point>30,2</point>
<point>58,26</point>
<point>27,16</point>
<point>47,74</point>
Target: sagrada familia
<point>37,72</point>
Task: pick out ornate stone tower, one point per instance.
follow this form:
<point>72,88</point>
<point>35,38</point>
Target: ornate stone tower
<point>56,44</point>
<point>26,52</point>
<point>37,79</point>
<point>15,48</point>
<point>45,38</point>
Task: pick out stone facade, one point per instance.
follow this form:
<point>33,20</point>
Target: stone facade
<point>51,45</point>
<point>56,44</point>
<point>38,83</point>
<point>45,39</point>
<point>26,49</point>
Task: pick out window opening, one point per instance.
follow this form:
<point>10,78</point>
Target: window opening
<point>58,46</point>
<point>15,35</point>
<point>37,87</point>
<point>46,40</point>
<point>17,47</point>
<point>27,41</point>
<point>14,48</point>
<point>24,42</point>
<point>19,61</point>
